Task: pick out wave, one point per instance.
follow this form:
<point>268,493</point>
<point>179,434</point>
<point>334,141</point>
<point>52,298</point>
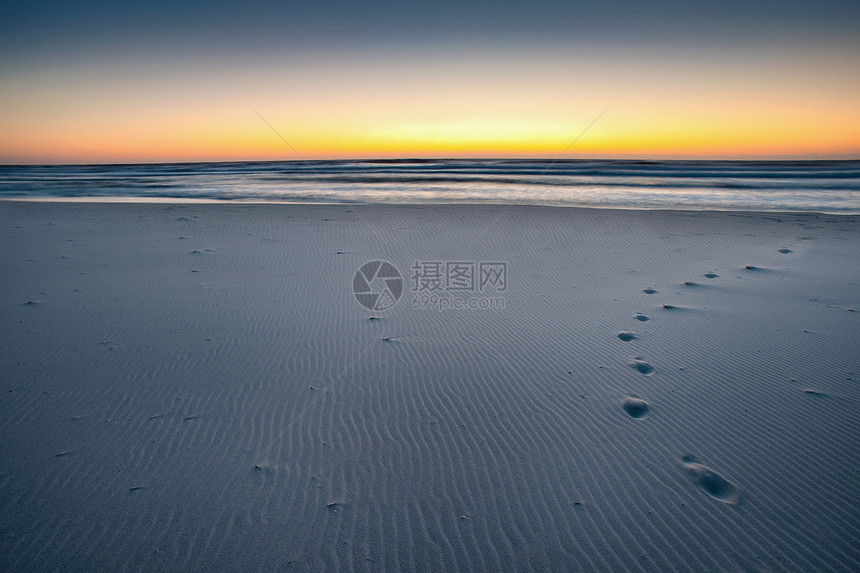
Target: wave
<point>830,186</point>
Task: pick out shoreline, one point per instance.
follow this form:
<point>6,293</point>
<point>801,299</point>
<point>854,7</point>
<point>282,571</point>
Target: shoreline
<point>239,202</point>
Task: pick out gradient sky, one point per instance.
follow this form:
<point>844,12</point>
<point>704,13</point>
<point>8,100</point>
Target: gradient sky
<point>93,81</point>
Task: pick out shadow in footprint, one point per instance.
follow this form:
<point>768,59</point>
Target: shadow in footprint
<point>649,291</point>
<point>711,482</point>
<point>627,336</point>
<point>678,309</point>
<point>711,275</point>
<point>642,367</point>
<point>641,317</point>
<point>636,407</point>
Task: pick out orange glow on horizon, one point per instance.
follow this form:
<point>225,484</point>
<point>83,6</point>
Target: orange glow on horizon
<point>258,142</point>
<point>253,140</point>
<point>431,109</point>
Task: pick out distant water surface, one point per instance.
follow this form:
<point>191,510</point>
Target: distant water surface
<point>823,186</point>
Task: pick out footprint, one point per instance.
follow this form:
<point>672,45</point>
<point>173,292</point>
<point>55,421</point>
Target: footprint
<point>649,291</point>
<point>635,407</point>
<point>711,275</point>
<point>711,482</point>
<point>627,336</point>
<point>785,251</point>
<point>262,468</point>
<point>641,317</point>
<point>642,367</point>
<point>813,392</point>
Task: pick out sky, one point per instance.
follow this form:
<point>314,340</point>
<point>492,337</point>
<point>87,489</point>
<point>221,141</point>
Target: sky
<point>101,82</point>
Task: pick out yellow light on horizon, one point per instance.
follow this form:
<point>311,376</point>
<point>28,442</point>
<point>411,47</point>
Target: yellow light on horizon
<point>427,108</point>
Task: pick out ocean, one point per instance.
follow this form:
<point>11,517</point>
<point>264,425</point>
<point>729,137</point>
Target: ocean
<point>811,186</point>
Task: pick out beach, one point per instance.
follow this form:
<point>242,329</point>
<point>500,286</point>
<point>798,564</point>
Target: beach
<point>197,387</point>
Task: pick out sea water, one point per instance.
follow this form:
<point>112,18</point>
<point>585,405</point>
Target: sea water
<point>821,186</point>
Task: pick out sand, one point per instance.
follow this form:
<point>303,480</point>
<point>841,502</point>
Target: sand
<point>196,388</point>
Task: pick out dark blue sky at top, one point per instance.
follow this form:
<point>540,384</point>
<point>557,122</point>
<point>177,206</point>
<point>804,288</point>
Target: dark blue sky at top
<point>47,32</point>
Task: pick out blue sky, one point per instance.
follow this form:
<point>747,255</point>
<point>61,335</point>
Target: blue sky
<point>39,31</point>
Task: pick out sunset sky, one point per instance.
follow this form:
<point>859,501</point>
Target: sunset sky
<point>96,82</point>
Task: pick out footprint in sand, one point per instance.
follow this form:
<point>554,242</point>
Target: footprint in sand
<point>641,317</point>
<point>635,407</point>
<point>627,336</point>
<point>642,367</point>
<point>650,291</point>
<point>785,251</point>
<point>711,482</point>
<point>711,275</point>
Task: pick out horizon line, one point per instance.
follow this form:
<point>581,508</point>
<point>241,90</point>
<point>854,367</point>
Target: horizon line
<point>408,158</point>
